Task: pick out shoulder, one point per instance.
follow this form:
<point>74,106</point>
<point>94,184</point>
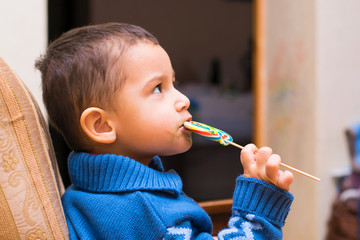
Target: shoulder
<point>112,214</point>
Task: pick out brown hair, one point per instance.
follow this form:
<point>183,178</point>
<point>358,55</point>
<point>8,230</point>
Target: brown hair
<point>78,71</point>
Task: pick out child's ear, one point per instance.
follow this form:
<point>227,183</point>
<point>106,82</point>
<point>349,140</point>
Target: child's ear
<point>97,126</point>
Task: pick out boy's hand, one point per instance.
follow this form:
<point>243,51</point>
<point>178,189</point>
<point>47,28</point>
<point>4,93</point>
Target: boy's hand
<point>264,165</point>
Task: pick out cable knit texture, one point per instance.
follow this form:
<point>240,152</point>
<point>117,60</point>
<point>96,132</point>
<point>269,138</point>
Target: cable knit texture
<point>115,197</point>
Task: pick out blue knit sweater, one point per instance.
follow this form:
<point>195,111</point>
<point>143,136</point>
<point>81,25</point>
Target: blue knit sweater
<point>115,197</point>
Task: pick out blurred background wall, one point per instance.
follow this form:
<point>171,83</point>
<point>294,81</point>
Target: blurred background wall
<point>194,33</point>
<point>312,95</point>
<point>23,37</point>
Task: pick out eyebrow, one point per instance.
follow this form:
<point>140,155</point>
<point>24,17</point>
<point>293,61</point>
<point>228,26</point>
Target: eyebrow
<point>156,77</point>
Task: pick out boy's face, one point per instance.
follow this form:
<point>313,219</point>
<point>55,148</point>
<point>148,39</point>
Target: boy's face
<point>149,111</point>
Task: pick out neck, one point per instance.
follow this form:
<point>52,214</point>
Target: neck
<point>144,161</point>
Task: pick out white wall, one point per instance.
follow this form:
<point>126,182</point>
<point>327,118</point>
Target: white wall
<point>338,85</point>
<point>23,37</point>
<point>312,95</point>
<point>290,93</point>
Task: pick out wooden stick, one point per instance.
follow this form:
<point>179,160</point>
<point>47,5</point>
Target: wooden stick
<point>282,164</point>
<point>301,172</point>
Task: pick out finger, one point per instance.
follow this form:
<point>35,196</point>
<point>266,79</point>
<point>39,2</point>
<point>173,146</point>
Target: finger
<point>248,154</point>
<point>284,180</point>
<point>263,155</point>
<point>272,168</point>
<point>247,158</point>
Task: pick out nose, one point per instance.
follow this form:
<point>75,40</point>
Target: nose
<point>182,102</point>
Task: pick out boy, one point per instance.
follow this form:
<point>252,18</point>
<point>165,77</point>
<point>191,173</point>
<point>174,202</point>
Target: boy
<point>109,90</point>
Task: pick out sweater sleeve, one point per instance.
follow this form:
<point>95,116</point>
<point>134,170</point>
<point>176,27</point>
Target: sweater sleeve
<point>259,212</point>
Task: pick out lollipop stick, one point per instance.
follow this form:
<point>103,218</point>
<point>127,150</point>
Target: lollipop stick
<point>301,172</point>
<point>282,164</point>
<point>234,144</point>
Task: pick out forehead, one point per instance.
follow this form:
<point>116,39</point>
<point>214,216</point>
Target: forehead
<point>145,58</point>
<point>145,50</point>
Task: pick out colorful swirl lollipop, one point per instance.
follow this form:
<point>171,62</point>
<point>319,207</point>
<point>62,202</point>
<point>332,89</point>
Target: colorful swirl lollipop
<point>225,139</point>
<point>208,132</point>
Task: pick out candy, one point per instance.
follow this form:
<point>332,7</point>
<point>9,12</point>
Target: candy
<point>225,139</point>
<point>208,132</point>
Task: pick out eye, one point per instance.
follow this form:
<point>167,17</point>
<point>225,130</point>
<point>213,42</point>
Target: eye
<point>157,89</point>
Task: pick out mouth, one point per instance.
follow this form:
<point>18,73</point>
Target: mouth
<point>187,120</point>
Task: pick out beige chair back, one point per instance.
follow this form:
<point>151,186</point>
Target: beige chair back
<point>30,183</point>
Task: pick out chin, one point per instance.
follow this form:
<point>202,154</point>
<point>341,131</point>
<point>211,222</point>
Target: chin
<point>186,148</point>
<point>178,150</point>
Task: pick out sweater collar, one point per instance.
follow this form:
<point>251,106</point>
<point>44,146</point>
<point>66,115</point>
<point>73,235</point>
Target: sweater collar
<point>113,173</point>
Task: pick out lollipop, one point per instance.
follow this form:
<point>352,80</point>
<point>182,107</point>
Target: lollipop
<point>225,139</point>
<point>208,132</point>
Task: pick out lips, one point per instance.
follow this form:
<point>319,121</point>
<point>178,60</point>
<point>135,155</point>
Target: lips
<point>187,120</point>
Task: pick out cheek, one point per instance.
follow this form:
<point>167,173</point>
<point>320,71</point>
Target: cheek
<point>147,127</point>
<point>156,120</point>
<point>159,132</point>
<point>151,120</point>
